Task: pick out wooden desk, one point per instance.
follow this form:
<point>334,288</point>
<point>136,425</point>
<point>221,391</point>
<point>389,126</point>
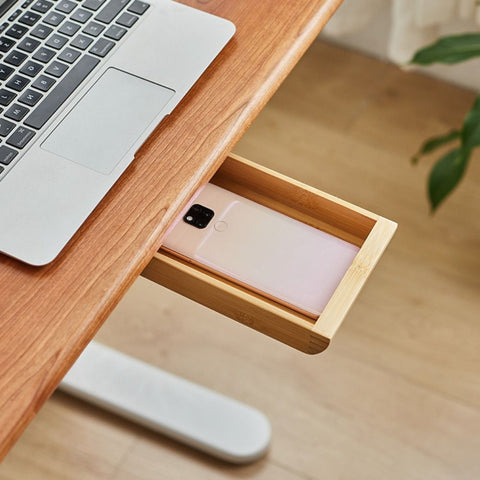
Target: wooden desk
<point>49,314</point>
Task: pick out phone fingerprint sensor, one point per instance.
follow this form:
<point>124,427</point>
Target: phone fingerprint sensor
<point>221,226</point>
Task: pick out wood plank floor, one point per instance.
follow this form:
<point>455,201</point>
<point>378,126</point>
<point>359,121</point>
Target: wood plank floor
<point>397,395</point>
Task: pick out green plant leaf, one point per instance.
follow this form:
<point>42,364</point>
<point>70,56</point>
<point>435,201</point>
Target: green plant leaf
<point>445,175</point>
<point>451,49</point>
<point>436,142</point>
<point>471,127</point>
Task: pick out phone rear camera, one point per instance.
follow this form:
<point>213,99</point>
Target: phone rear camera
<point>198,216</point>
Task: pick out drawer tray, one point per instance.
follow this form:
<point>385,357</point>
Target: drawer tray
<point>368,231</point>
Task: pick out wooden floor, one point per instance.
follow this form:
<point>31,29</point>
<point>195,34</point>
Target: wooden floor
<point>397,395</point>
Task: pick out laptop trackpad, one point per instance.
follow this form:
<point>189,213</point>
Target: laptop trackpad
<point>108,120</point>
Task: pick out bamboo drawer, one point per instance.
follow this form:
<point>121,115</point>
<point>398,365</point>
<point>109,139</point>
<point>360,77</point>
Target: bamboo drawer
<point>364,229</point>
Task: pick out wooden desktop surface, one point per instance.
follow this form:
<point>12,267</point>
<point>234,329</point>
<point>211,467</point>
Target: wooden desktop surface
<point>49,314</point>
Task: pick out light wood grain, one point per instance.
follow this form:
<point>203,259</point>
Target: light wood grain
<point>370,232</point>
<point>291,197</point>
<point>48,315</point>
<point>397,394</point>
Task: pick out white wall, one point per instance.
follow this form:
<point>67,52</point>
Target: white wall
<point>373,40</point>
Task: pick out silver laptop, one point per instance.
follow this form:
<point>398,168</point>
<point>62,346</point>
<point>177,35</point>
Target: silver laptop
<point>82,85</point>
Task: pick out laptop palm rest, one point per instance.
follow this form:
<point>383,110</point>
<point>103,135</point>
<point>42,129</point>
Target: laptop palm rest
<point>108,120</point>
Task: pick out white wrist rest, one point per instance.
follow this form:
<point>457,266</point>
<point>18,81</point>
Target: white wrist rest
<point>177,408</point>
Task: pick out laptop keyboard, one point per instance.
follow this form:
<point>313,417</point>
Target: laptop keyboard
<point>47,49</point>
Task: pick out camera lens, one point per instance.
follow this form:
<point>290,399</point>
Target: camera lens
<point>198,216</point>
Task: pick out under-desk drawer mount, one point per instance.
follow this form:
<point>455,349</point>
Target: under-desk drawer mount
<point>370,232</point>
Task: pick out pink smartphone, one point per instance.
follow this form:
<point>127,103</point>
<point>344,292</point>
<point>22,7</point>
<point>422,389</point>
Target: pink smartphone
<point>272,254</point>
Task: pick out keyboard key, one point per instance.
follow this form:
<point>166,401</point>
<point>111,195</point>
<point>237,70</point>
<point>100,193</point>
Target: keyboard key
<point>69,55</point>
<point>127,19</point>
<point>102,47</point>
<point>43,83</point>
<point>5,127</point>
<point>5,71</point>
<point>111,10</point>
<point>115,32</point>
<point>3,26</point>
<point>14,15</point>
<point>7,155</point>
<point>26,3</point>
<point>42,6</point>
<point>61,92</point>
<point>18,83</point>
<point>81,41</point>
<point>81,15</point>
<point>6,97</point>
<point>94,29</point>
<point>56,41</point>
<point>28,44</point>
<point>41,31</point>
<point>20,137</point>
<point>65,6</point>
<point>15,58</point>
<point>93,4</point>
<point>6,44</point>
<point>69,28</point>
<point>54,18</point>
<point>16,112</point>
<point>138,7</point>
<point>16,31</point>
<point>57,69</point>
<point>32,69</point>
<point>44,55</point>
<point>29,18</point>
<point>30,97</point>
